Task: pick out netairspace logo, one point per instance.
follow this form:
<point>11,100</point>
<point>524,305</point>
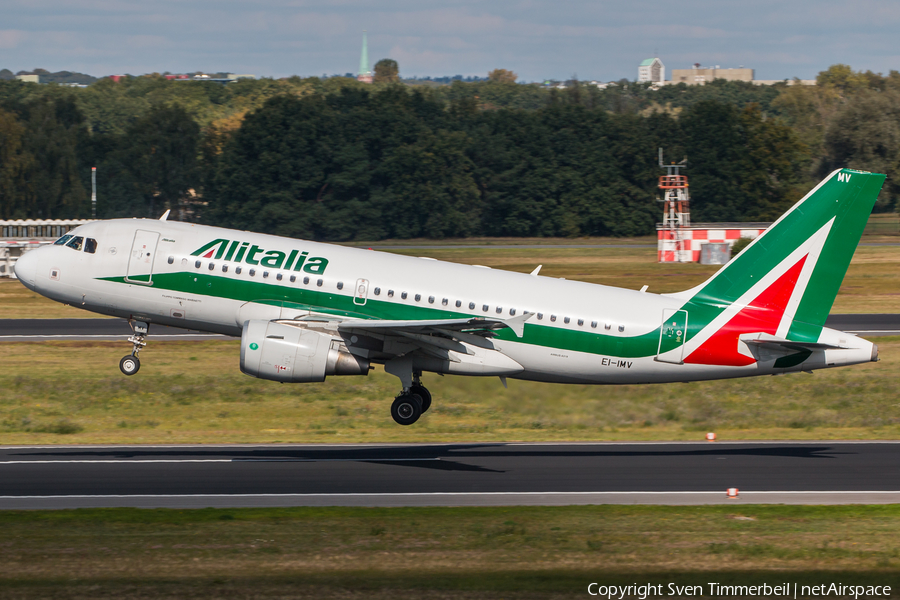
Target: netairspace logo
<point>714,589</point>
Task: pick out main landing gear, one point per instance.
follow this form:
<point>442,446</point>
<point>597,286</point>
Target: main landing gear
<point>130,363</point>
<point>412,402</point>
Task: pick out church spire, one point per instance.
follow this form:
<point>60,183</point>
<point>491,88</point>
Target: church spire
<point>365,75</point>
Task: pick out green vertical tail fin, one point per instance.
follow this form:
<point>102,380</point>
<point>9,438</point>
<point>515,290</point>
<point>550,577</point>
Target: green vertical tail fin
<point>790,275</point>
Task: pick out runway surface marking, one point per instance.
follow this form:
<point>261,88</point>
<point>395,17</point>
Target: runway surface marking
<point>436,494</point>
<point>208,460</point>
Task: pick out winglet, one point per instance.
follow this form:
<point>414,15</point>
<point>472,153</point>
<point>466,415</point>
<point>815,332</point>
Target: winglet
<point>536,271</point>
<point>517,324</point>
<point>165,215</point>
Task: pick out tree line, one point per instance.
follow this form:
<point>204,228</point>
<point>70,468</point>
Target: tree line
<point>339,160</point>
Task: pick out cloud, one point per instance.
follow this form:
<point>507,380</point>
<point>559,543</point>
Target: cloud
<point>536,38</point>
<point>11,38</point>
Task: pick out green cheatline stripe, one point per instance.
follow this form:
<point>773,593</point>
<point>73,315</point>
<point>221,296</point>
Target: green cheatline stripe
<point>342,305</point>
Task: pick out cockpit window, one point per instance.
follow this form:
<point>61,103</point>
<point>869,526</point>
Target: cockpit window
<point>62,241</point>
<point>76,242</point>
<point>90,245</point>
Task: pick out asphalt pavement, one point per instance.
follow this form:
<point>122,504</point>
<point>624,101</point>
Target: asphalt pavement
<point>449,474</point>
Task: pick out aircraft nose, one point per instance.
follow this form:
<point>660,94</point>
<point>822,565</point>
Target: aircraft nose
<point>26,269</point>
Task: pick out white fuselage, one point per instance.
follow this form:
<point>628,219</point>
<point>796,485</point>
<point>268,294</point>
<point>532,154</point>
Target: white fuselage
<point>580,332</point>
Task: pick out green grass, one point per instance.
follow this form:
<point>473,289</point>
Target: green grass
<point>508,552</point>
<point>193,392</point>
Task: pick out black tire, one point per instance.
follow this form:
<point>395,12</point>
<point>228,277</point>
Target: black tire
<point>130,365</point>
<point>406,409</point>
<point>424,394</point>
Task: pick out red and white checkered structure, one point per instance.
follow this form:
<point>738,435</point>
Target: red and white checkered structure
<point>683,244</point>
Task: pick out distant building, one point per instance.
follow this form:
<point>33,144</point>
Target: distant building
<point>29,78</point>
<point>651,70</point>
<point>365,74</point>
<point>700,75</point>
<point>785,81</point>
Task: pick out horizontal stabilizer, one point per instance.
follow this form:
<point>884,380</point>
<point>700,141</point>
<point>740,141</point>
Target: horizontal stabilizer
<point>771,342</point>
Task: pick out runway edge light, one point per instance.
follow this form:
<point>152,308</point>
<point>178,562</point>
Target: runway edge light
<point>710,437</point>
<point>733,493</point>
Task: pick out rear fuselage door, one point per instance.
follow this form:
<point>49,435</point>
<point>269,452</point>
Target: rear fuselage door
<point>672,335</point>
<point>361,292</point>
<point>140,261</point>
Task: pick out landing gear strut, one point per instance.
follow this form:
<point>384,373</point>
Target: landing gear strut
<point>421,390</point>
<point>412,402</point>
<point>414,399</point>
<point>130,364</point>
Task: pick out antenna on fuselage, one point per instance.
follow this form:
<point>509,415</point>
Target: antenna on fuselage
<point>165,215</point>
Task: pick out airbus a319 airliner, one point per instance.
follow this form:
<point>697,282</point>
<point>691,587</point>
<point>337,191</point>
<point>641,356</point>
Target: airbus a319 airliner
<point>306,310</point>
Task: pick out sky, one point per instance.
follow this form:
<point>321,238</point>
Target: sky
<point>538,39</point>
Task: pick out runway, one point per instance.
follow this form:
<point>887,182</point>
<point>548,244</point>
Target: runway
<point>35,330</point>
<point>449,474</point>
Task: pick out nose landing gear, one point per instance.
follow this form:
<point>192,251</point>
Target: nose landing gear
<point>129,365</point>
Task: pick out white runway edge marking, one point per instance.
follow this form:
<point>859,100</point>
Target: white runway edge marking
<point>126,461</point>
<point>435,494</point>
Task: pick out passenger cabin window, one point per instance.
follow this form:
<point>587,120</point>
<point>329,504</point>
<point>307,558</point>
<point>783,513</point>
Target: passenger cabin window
<point>62,241</point>
<point>499,309</point>
<point>471,306</point>
<point>251,272</point>
<point>566,320</point>
<point>485,308</point>
<point>306,281</point>
<point>171,260</point>
<point>390,293</point>
<point>403,295</point>
<point>593,324</point>
<point>238,270</point>
<point>512,312</point>
<point>431,300</point>
<point>340,285</point>
<point>90,245</point>
<point>265,274</point>
<point>212,266</point>
<point>580,321</point>
<point>197,264</point>
<point>458,303</point>
<point>279,277</point>
<point>293,278</point>
<point>621,328</point>
<point>553,318</point>
<point>418,297</point>
<point>320,282</point>
<point>224,268</point>
<point>377,291</point>
<point>76,242</point>
<point>540,316</point>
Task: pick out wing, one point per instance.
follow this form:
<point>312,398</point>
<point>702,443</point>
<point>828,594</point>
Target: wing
<point>474,325</point>
<point>453,340</point>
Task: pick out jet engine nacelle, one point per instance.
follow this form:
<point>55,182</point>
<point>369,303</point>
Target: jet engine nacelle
<point>278,352</point>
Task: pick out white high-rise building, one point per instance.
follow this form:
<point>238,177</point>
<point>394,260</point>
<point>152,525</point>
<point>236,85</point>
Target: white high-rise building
<point>651,70</point>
